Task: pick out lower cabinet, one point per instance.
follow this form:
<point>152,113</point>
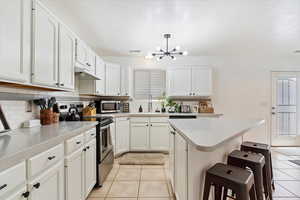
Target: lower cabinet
<point>19,195</point>
<point>159,136</point>
<point>172,156</point>
<point>181,168</point>
<point>89,167</point>
<point>49,185</point>
<point>122,135</point>
<point>74,169</point>
<point>139,139</point>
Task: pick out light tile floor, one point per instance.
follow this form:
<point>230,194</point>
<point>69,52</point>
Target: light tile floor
<point>131,182</point>
<point>135,182</point>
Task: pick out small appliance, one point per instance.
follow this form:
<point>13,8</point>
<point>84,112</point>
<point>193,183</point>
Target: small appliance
<point>108,107</point>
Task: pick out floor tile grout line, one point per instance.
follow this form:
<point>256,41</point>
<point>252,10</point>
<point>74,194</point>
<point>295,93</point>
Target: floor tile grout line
<point>288,190</point>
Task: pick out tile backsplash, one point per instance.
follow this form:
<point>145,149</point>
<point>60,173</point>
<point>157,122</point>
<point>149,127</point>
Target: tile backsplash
<point>17,112</point>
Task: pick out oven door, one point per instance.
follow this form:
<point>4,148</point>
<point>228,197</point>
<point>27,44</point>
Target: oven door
<point>110,106</point>
<point>106,142</point>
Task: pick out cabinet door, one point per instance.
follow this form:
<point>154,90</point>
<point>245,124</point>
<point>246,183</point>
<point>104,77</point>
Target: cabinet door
<point>45,62</point>
<point>181,174</point>
<point>48,186</point>
<point>113,78</point>
<point>159,136</point>
<point>172,156</point>
<point>81,53</point>
<point>91,61</point>
<point>74,176</point>
<point>19,195</point>
<point>139,138</point>
<point>124,81</point>
<point>122,135</point>
<point>66,58</point>
<point>201,81</point>
<point>100,72</point>
<point>179,82</point>
<point>15,23</point>
<point>90,167</point>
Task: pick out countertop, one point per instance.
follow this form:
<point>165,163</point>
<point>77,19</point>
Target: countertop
<point>207,134</point>
<point>21,144</point>
<point>154,114</point>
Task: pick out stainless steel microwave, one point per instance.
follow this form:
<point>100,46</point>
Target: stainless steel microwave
<point>108,106</point>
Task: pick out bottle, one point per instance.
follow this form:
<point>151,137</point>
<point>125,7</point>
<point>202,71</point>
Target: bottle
<point>180,107</point>
<point>140,109</point>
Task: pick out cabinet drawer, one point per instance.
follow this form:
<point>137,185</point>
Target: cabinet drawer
<point>159,119</point>
<point>74,143</point>
<point>12,178</point>
<point>44,160</point>
<point>90,134</point>
<point>139,119</point>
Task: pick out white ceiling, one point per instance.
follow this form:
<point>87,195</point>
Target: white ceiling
<point>203,27</point>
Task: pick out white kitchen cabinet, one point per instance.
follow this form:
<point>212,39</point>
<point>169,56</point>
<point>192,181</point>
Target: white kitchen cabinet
<point>122,135</point>
<point>201,81</point>
<point>179,82</point>
<point>45,49</point>
<point>113,79</point>
<point>74,176</point>
<point>125,81</point>
<point>181,168</point>
<point>139,138</point>
<point>100,72</point>
<point>189,81</point>
<point>18,195</point>
<point>66,61</point>
<point>159,136</point>
<point>15,41</point>
<point>49,185</point>
<point>91,61</point>
<point>172,156</point>
<point>81,53</point>
<point>89,167</point>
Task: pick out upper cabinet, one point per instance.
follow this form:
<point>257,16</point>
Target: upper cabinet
<point>85,57</point>
<point>45,56</point>
<point>189,81</point>
<point>100,72</point>
<point>66,58</point>
<point>15,44</point>
<point>125,81</point>
<point>113,79</point>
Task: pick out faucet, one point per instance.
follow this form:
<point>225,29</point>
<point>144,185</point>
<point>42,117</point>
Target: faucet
<point>150,104</point>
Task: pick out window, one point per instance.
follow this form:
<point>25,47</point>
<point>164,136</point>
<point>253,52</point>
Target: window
<point>149,82</point>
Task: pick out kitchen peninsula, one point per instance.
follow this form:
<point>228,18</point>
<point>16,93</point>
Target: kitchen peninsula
<point>197,144</point>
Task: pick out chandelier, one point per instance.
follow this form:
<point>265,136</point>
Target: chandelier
<point>161,53</point>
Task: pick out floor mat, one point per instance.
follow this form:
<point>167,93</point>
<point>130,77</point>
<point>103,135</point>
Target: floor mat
<point>142,159</point>
<point>297,162</point>
<point>289,151</point>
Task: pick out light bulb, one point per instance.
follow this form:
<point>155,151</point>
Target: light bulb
<point>173,58</point>
<point>158,58</point>
<point>177,48</point>
<point>185,53</point>
<point>158,48</point>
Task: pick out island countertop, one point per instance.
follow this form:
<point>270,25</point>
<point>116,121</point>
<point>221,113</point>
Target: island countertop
<point>21,144</point>
<point>207,134</point>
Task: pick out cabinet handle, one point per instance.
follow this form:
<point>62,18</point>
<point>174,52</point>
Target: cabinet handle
<point>3,186</point>
<point>26,194</point>
<point>92,134</point>
<point>190,94</point>
<point>147,124</point>
<point>37,185</point>
<point>150,124</point>
<point>88,147</point>
<point>194,94</point>
<point>62,84</point>
<point>51,157</point>
<point>78,142</point>
<point>173,132</point>
<point>57,84</point>
<point>84,149</point>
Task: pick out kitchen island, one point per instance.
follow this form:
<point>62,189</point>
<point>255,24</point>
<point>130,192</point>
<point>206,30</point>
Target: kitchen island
<point>198,144</point>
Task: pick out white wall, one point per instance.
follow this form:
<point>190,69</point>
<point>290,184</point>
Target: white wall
<point>241,84</point>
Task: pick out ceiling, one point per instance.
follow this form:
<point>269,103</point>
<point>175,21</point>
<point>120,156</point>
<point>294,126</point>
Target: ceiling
<point>203,27</point>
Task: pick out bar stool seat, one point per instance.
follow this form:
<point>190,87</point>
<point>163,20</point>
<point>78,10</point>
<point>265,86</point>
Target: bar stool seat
<point>239,180</point>
<point>264,149</point>
<point>256,162</point>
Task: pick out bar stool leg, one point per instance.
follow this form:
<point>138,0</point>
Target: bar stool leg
<point>218,192</point>
<point>258,177</point>
<point>242,194</point>
<point>272,177</point>
<point>207,185</point>
<point>225,193</point>
<point>253,193</point>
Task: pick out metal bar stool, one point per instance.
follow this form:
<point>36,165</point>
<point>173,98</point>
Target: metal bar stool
<point>239,180</point>
<point>256,162</point>
<point>264,149</point>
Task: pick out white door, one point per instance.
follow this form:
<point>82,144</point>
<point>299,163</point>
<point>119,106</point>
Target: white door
<point>139,138</point>
<point>81,53</point>
<point>18,195</point>
<point>181,174</point>
<point>100,72</point>
<point>66,58</point>
<point>90,166</point>
<point>48,186</point>
<point>159,136</point>
<point>15,18</point>
<point>122,135</point>
<point>179,82</point>
<point>74,173</point>
<point>113,78</point>
<point>285,109</point>
<point>201,81</point>
<point>45,62</point>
